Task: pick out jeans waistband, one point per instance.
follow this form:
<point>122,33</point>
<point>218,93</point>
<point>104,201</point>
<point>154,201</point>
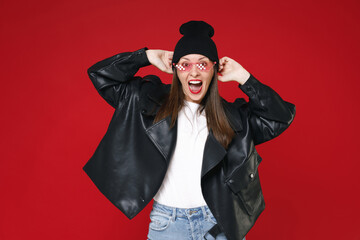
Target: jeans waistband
<point>182,212</point>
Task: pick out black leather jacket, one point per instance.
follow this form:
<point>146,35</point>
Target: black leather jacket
<point>131,160</point>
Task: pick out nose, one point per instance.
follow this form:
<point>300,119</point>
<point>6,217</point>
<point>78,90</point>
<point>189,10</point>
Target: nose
<point>194,71</point>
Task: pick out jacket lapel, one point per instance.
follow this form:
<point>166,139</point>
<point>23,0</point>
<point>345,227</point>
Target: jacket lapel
<point>160,133</point>
<point>214,152</point>
<point>163,137</point>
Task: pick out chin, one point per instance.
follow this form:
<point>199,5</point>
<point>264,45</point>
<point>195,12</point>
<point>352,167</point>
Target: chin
<point>196,99</point>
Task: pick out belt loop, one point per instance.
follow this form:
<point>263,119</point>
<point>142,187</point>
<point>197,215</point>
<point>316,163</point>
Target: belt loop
<point>204,212</point>
<point>173,214</point>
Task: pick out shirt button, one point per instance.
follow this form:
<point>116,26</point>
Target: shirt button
<point>251,175</point>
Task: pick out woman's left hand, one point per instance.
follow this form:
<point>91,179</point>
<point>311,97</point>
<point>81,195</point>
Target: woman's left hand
<point>230,70</point>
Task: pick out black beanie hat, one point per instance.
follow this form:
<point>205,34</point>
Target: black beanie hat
<point>196,40</point>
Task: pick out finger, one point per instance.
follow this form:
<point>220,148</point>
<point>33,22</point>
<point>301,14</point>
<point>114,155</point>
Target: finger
<point>170,65</point>
<point>221,68</point>
<point>170,55</point>
<point>221,61</point>
<point>224,59</point>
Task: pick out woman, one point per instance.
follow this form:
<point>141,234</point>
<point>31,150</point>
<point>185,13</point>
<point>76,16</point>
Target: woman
<point>181,144</point>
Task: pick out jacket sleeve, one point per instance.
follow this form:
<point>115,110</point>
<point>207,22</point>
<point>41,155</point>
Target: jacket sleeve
<point>112,75</point>
<point>269,115</point>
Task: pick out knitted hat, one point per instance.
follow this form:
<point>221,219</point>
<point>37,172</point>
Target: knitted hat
<point>196,40</point>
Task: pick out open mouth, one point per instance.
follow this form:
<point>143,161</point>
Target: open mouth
<point>195,86</point>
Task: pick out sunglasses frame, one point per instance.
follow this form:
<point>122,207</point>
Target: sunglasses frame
<point>192,64</point>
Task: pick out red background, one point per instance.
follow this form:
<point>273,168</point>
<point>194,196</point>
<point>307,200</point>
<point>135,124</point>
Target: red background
<point>53,118</point>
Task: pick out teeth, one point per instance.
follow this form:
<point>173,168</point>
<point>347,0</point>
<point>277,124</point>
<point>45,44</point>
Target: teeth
<point>195,82</point>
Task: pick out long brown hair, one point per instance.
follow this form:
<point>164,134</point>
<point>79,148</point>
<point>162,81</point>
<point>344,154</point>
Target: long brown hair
<point>216,118</point>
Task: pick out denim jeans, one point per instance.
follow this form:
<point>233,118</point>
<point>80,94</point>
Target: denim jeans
<point>181,223</point>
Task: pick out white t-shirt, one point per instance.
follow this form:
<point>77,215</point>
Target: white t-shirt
<point>181,186</point>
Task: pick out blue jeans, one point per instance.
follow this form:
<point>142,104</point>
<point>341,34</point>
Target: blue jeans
<point>181,223</point>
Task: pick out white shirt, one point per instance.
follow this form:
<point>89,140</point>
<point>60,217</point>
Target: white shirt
<point>181,187</point>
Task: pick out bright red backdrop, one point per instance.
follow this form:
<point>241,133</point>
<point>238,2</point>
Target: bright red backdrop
<point>53,118</point>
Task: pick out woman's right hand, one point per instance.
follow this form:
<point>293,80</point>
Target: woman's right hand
<point>160,59</point>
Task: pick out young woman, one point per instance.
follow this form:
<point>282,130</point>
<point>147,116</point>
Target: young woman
<point>182,144</point>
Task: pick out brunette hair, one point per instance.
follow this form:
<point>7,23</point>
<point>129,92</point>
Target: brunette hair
<point>216,118</point>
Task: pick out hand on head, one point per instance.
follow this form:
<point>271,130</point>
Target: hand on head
<point>160,59</point>
<point>230,70</point>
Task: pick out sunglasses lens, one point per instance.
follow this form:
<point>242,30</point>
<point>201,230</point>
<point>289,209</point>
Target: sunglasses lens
<point>184,66</point>
<point>204,66</point>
